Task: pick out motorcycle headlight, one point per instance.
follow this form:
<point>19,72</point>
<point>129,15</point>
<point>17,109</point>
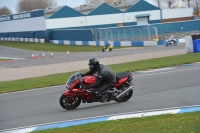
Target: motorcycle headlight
<point>67,86</point>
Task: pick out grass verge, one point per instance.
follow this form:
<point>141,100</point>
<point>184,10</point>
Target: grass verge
<point>170,123</point>
<point>58,79</point>
<point>52,47</point>
<point>2,60</point>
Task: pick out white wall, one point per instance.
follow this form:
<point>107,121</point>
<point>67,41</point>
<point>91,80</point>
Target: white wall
<point>104,19</point>
<point>177,13</point>
<point>65,22</point>
<point>131,16</point>
<point>29,24</point>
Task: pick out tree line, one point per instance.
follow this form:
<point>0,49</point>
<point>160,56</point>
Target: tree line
<point>28,5</point>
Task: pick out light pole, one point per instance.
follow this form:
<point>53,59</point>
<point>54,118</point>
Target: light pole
<point>100,35</point>
<point>156,33</point>
<point>124,34</point>
<point>140,33</point>
<point>118,34</point>
<point>106,36</point>
<point>132,32</point>
<point>111,34</point>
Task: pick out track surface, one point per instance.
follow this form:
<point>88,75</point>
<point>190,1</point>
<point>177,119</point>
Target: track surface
<point>60,57</point>
<point>153,90</point>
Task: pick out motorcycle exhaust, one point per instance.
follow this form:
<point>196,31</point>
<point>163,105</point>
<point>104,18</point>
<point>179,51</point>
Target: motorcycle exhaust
<point>124,92</point>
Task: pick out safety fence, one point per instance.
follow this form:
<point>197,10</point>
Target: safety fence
<point>148,32</point>
<point>114,43</point>
<point>22,39</point>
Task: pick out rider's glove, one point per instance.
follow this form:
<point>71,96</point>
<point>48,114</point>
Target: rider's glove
<point>84,87</point>
<point>82,74</point>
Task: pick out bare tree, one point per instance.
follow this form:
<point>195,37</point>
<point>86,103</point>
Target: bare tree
<point>110,1</point>
<point>5,11</point>
<point>113,1</point>
<point>102,1</point>
<point>196,4</point>
<point>159,3</point>
<point>169,3</point>
<point>96,2</point>
<point>188,3</point>
<point>28,5</point>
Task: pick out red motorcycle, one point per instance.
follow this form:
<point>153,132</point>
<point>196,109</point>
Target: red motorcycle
<point>121,92</point>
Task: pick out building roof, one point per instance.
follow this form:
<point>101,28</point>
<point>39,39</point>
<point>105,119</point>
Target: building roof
<point>124,6</point>
<point>65,12</point>
<point>51,11</point>
<point>104,9</point>
<point>141,5</point>
<point>86,9</point>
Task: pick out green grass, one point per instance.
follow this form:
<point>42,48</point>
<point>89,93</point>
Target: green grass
<point>52,47</point>
<point>171,123</point>
<point>4,59</point>
<point>58,79</point>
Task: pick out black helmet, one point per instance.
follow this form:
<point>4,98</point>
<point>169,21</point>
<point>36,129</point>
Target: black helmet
<point>93,64</point>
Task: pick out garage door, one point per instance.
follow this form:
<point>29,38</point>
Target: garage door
<point>142,20</point>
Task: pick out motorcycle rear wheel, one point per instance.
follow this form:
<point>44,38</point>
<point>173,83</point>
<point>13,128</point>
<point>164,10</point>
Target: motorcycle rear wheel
<point>125,98</point>
<point>69,106</point>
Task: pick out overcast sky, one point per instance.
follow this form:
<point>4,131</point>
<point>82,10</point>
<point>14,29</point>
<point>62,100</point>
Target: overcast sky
<point>11,4</point>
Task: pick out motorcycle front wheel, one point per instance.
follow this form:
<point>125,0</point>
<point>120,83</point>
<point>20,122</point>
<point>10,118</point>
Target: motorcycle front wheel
<point>66,104</point>
<point>175,43</point>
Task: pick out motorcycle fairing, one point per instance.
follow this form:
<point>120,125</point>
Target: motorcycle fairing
<point>83,94</point>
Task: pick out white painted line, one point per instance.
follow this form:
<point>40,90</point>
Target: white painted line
<point>155,70</point>
<point>151,113</point>
<point>26,130</point>
<point>12,58</point>
<point>166,72</point>
<point>172,110</point>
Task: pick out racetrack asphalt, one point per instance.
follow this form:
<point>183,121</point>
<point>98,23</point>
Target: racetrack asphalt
<point>25,67</point>
<point>154,89</point>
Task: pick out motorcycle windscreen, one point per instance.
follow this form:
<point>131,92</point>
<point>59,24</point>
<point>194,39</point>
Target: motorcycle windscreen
<point>89,79</point>
<point>73,78</point>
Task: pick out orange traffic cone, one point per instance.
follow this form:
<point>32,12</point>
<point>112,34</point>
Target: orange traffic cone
<point>36,56</point>
<point>33,57</point>
<point>43,56</point>
<point>52,55</point>
<point>68,53</point>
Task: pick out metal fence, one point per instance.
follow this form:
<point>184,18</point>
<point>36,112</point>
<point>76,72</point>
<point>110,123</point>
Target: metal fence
<point>147,33</point>
<point>124,34</point>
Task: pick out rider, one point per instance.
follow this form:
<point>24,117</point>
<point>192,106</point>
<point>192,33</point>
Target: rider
<point>105,76</point>
<point>107,45</point>
<point>171,38</point>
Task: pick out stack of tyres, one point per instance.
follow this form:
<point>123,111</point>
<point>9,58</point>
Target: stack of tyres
<point>196,45</point>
